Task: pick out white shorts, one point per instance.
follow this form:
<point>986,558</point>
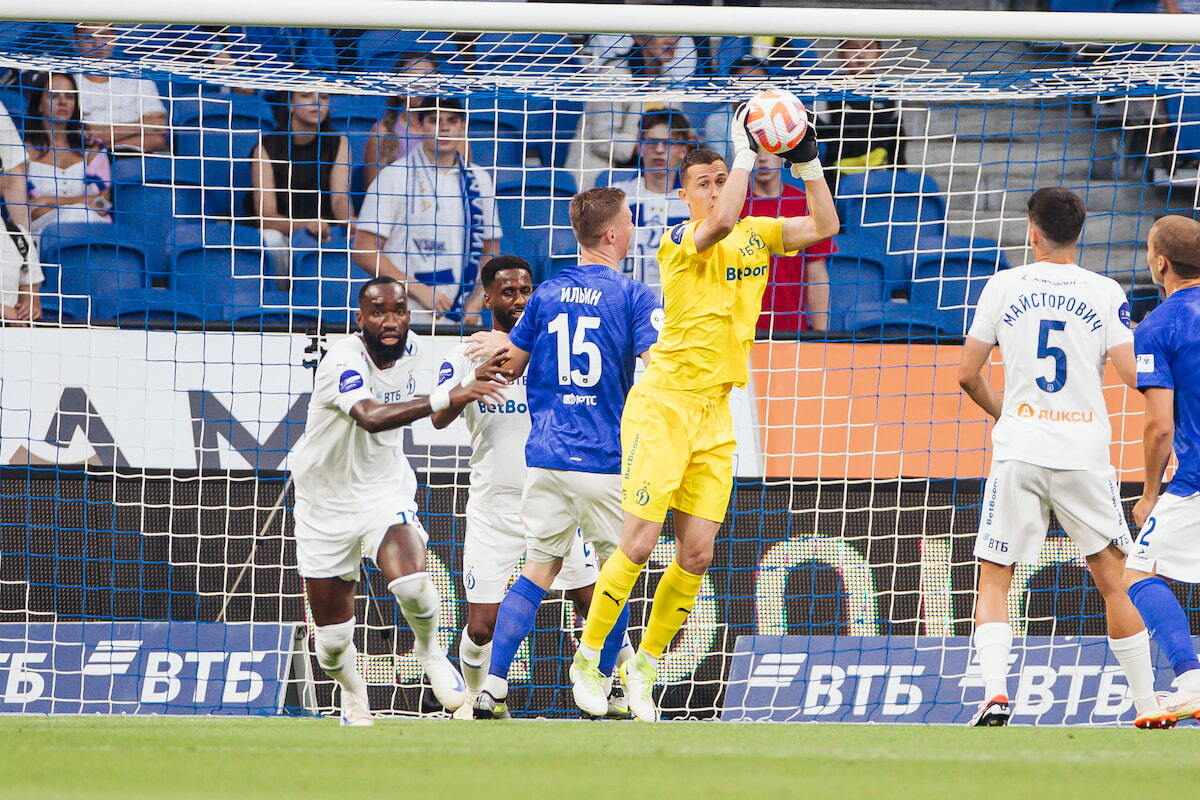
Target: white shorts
<point>495,542</point>
<point>1018,499</point>
<point>331,544</point>
<point>557,502</point>
<point>1169,542</point>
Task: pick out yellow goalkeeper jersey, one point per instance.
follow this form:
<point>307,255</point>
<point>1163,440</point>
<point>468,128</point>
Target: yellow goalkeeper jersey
<point>711,303</point>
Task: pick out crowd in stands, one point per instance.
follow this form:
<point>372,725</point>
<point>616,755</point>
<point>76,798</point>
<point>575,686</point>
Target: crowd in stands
<point>415,193</point>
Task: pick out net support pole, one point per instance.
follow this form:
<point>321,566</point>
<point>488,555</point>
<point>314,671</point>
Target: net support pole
<point>811,23</point>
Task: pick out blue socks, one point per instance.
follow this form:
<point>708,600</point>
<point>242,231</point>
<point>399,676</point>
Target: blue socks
<point>612,644</point>
<point>514,621</point>
<point>1166,621</point>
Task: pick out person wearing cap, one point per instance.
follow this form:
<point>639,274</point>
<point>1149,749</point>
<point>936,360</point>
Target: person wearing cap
<point>429,219</point>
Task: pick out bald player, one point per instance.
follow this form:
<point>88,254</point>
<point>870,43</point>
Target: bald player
<point>1167,345</point>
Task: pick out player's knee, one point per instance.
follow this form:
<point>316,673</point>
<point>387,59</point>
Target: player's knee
<point>332,641</point>
<point>480,631</point>
<point>695,559</point>
<point>411,588</point>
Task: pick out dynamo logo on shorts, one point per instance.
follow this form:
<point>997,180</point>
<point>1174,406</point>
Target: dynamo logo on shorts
<point>348,381</point>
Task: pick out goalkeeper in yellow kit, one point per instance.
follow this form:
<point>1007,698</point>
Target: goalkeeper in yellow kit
<point>677,432</point>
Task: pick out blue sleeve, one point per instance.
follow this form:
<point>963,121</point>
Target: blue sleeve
<point>524,333</point>
<point>1153,356</point>
<point>647,318</point>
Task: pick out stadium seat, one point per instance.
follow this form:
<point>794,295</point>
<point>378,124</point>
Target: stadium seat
<point>1135,6</point>
<point>1184,113</point>
<point>223,267</point>
<point>236,111</point>
<point>946,286</point>
<point>537,228</point>
<point>494,144</point>
<point>611,176</point>
<point>541,182</point>
<point>149,192</point>
<point>106,263</point>
<point>15,104</point>
<point>861,280</point>
<point>1094,6</point>
<point>325,280</point>
<point>905,205</point>
<point>378,50</point>
<point>538,54</point>
<point>223,158</point>
<point>354,113</point>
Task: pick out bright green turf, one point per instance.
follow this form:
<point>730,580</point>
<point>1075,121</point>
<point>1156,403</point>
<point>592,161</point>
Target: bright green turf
<point>86,757</point>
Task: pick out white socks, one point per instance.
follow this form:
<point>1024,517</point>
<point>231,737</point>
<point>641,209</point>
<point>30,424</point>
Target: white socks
<point>337,655</point>
<point>1133,654</point>
<point>422,607</point>
<point>626,652</point>
<point>993,643</point>
<point>474,660</point>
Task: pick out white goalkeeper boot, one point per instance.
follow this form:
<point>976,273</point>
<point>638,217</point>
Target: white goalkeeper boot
<point>639,674</point>
<point>356,709</point>
<point>587,685</point>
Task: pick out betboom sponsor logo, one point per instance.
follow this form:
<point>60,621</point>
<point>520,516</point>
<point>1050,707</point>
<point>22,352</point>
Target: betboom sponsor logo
<point>926,679</point>
<point>174,668</point>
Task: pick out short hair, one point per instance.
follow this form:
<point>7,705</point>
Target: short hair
<point>1177,238</point>
<point>487,275</point>
<point>1058,213</point>
<point>593,210</point>
<point>748,63</point>
<point>379,280</point>
<point>701,155</point>
<point>432,105</point>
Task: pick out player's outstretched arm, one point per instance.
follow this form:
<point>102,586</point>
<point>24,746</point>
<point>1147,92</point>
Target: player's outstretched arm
<point>822,221</point>
<point>970,376</point>
<point>728,209</point>
<point>1157,437</point>
<point>374,417</point>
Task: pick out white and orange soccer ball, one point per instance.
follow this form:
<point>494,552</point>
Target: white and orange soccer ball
<point>776,119</point>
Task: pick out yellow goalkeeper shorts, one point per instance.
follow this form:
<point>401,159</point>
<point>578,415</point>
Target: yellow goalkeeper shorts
<point>677,452</point>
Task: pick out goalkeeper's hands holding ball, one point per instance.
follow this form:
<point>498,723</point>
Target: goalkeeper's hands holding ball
<point>805,163</point>
<point>744,147</point>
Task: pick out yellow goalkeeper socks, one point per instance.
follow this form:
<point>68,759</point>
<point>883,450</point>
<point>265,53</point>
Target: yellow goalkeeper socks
<point>673,601</point>
<point>608,598</point>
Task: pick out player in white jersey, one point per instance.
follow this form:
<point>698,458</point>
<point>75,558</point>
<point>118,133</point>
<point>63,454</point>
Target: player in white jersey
<point>1056,324</point>
<point>495,538</point>
<point>355,491</point>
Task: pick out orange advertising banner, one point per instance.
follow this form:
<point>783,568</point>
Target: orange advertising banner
<point>891,410</point>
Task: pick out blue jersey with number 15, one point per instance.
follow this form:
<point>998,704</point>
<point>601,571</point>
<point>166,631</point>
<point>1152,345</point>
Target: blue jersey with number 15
<point>584,329</point>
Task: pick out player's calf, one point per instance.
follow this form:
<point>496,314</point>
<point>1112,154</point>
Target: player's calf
<point>421,606</point>
<point>337,656</point>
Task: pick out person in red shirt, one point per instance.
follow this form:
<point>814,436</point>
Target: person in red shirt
<point>797,296</point>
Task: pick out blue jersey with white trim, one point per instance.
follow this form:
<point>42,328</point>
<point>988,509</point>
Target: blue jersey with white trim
<point>1167,344</point>
<point>583,328</point>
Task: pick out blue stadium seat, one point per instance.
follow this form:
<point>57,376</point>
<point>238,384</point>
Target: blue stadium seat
<point>223,157</point>
<point>378,50</point>
<point>325,280</point>
<point>541,182</point>
<point>148,193</point>
<point>223,267</point>
<point>356,113</point>
<point>1095,6</point>
<point>1134,6</point>
<point>897,321</point>
<point>946,285</point>
<point>537,228</point>
<point>494,144</point>
<point>106,263</point>
<point>527,53</point>
<point>611,176</point>
<point>906,205</point>
<point>862,279</point>
<point>236,111</point>
<point>1184,112</point>
<point>15,104</point>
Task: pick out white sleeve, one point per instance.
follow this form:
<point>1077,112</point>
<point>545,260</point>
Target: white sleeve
<point>375,214</point>
<point>341,381</point>
<point>454,368</point>
<point>12,151</point>
<point>1117,322</point>
<point>151,101</point>
<point>983,327</point>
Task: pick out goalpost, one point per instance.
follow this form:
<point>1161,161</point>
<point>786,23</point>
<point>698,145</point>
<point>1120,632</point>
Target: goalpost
<point>146,559</point>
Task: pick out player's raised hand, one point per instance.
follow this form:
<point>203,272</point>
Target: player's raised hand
<point>806,165</point>
<point>492,369</point>
<point>1142,509</point>
<point>738,134</point>
<point>486,345</point>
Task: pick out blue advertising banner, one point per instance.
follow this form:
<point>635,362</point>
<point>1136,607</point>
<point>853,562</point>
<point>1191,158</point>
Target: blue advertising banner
<point>144,667</point>
<point>924,679</point>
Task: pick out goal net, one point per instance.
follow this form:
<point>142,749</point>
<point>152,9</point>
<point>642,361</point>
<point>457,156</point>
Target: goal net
<point>192,208</point>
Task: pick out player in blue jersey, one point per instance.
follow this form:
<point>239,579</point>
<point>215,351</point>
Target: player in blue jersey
<point>579,339</point>
<point>1167,344</point>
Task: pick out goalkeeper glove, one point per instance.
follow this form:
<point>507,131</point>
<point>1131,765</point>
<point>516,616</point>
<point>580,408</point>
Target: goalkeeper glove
<point>744,148</point>
<point>805,164</point>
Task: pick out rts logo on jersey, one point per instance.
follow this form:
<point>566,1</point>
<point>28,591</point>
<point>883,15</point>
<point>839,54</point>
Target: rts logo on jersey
<point>349,381</point>
<point>1145,362</point>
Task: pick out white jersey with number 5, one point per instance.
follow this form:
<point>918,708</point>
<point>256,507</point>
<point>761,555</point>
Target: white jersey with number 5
<point>1055,324</point>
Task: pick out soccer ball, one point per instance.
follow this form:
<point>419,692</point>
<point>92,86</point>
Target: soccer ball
<point>776,119</point>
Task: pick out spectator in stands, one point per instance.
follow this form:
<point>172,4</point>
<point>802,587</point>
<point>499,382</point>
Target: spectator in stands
<point>797,296</point>
<point>749,70</point>
<point>20,278</point>
<point>13,188</point>
<point>664,139</point>
<point>302,179</point>
<point>123,113</point>
<point>429,219</point>
<point>68,176</point>
<point>608,131</point>
<point>859,134</point>
<point>397,133</point>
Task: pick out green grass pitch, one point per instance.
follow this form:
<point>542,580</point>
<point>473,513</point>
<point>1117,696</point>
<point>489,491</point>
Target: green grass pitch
<point>131,757</point>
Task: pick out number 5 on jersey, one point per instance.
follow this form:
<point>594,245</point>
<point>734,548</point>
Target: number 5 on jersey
<point>1046,350</point>
<point>576,345</point>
